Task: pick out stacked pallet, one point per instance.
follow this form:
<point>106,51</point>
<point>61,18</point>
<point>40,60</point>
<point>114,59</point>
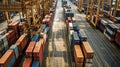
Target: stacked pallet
<point>78,55</point>
<point>88,54</point>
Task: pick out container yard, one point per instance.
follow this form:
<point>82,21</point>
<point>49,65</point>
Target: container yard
<point>59,33</point>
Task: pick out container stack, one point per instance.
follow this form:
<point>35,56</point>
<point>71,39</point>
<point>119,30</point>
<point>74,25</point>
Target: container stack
<point>21,43</point>
<point>8,59</point>
<point>27,62</point>
<point>22,27</point>
<point>10,37</point>
<point>117,37</point>
<point>75,40</point>
<point>111,31</point>
<point>102,25</point>
<point>29,50</point>
<point>14,26</point>
<point>78,56</point>
<point>88,54</point>
<point>38,52</point>
<point>3,45</point>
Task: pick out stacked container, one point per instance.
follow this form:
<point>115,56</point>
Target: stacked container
<point>82,35</point>
<point>111,30</point>
<point>14,26</point>
<point>8,59</point>
<point>117,37</point>
<point>75,40</point>
<point>3,45</point>
<point>35,64</point>
<point>88,54</point>
<point>78,56</point>
<point>103,24</point>
<point>27,62</point>
<point>29,50</point>
<point>38,52</point>
<point>35,38</point>
<point>21,27</point>
<point>21,43</point>
<point>10,37</point>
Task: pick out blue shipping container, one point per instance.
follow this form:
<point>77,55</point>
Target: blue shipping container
<point>35,38</point>
<point>15,49</point>
<point>76,27</point>
<point>46,30</point>
<point>35,64</point>
<point>82,35</point>
<point>12,61</point>
<point>75,39</point>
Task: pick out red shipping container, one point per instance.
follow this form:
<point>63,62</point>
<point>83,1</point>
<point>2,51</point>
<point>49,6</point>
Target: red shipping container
<point>38,52</point>
<point>10,37</point>
<point>87,50</point>
<point>29,50</point>
<point>67,23</point>
<point>27,62</point>
<point>21,42</point>
<point>22,26</point>
<point>117,37</point>
<point>78,55</point>
<point>69,19</point>
<point>6,58</point>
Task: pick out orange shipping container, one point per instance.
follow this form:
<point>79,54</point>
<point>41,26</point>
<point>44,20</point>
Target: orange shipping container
<point>10,37</point>
<point>6,58</point>
<point>21,42</point>
<point>27,62</point>
<point>38,52</point>
<point>79,64</point>
<point>78,55</point>
<point>29,50</point>
<point>87,50</point>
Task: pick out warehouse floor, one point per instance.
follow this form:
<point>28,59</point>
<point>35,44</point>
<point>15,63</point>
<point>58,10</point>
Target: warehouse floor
<point>57,50</point>
<point>57,53</point>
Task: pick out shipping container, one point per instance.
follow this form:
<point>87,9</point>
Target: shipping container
<point>75,40</point>
<point>82,35</point>
<point>8,59</point>
<point>11,38</point>
<point>3,45</point>
<point>87,50</point>
<point>117,37</point>
<point>27,62</point>
<point>35,64</point>
<point>35,37</point>
<point>29,50</point>
<point>38,52</point>
<point>78,55</point>
<point>21,43</point>
<point>75,26</point>
<point>15,49</point>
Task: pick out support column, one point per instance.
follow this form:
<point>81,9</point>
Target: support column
<point>116,5</point>
<point>8,20</point>
<point>98,10</point>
